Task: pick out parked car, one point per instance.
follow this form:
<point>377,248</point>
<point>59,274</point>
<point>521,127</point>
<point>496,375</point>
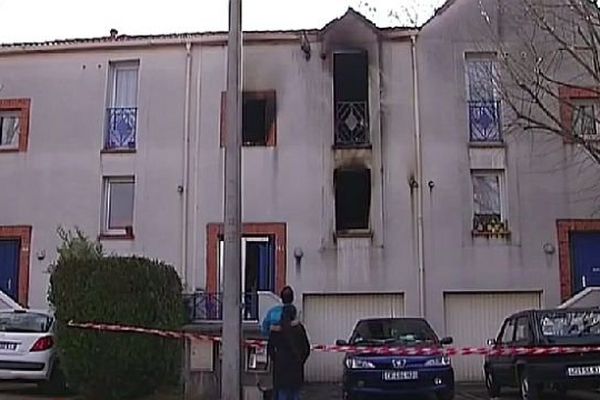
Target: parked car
<point>27,351</point>
<point>532,374</point>
<point>371,375</point>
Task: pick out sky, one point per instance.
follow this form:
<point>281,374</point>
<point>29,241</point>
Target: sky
<point>38,20</point>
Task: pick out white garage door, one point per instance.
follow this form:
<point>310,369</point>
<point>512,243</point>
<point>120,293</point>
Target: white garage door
<point>331,317</point>
<point>472,318</point>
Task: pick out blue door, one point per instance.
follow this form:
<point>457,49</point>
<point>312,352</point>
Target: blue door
<point>585,258</point>
<point>9,267</point>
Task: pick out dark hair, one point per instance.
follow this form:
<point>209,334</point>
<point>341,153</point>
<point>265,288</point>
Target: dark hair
<point>287,295</point>
<point>288,314</point>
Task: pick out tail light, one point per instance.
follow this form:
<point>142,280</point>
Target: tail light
<point>43,344</point>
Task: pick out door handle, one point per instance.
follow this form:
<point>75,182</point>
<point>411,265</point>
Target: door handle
<point>583,281</point>
<point>9,283</point>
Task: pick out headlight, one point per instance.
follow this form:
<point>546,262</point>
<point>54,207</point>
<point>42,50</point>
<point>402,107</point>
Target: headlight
<point>438,362</point>
<point>357,363</point>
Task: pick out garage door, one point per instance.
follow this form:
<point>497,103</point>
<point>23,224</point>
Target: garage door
<point>331,317</point>
<point>471,319</point>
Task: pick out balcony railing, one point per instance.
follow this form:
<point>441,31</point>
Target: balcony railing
<point>351,123</point>
<point>202,306</point>
<point>484,121</point>
<point>121,128</point>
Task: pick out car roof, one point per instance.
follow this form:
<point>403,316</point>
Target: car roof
<point>553,310</point>
<point>392,319</point>
<point>26,311</point>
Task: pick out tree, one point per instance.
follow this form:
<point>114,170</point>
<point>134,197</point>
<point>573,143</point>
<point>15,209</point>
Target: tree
<point>548,76</point>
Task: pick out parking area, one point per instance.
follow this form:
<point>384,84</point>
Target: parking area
<point>464,392</point>
<point>311,392</point>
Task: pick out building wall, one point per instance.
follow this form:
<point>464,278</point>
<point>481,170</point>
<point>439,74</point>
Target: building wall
<point>58,180</point>
<point>544,177</point>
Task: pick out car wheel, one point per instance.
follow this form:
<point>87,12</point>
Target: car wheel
<point>493,388</point>
<point>56,384</point>
<point>528,390</point>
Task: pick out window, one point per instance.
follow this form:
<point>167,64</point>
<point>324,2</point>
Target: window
<point>488,213</point>
<point>259,127</point>
<point>351,97</point>
<point>352,199</point>
<point>508,332</point>
<point>118,206</point>
<point>484,107</point>
<point>122,106</point>
<point>522,331</point>
<point>14,124</point>
<point>10,128</point>
<point>585,117</point>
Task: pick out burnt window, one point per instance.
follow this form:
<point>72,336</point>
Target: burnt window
<point>351,94</point>
<point>352,198</point>
<point>258,119</point>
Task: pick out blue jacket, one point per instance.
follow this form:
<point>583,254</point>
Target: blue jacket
<point>273,317</point>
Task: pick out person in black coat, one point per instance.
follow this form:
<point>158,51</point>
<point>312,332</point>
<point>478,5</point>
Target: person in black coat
<point>289,349</point>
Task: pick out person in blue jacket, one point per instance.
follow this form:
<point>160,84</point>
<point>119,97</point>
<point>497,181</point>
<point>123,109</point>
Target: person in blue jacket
<point>273,317</point>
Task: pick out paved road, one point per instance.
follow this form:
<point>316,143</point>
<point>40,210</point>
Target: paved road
<point>464,392</point>
<point>313,392</point>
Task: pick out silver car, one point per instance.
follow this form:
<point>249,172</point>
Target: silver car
<point>27,349</point>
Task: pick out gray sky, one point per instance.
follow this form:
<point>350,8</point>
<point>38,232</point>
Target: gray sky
<point>35,20</point>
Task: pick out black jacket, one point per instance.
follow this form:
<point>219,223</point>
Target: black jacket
<point>289,349</point>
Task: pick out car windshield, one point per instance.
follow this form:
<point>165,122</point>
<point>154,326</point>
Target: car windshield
<point>559,326</point>
<point>24,322</point>
<point>405,332</point>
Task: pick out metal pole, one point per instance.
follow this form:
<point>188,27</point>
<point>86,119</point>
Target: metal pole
<point>231,388</point>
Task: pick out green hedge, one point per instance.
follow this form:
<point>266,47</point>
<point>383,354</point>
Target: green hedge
<point>86,286</point>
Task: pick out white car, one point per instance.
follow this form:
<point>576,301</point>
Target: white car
<point>27,349</point>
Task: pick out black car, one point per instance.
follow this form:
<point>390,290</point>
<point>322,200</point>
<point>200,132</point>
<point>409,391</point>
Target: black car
<point>370,375</point>
<point>572,328</point>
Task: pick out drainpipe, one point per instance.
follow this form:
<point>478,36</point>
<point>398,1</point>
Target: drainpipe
<point>419,179</point>
<point>186,166</point>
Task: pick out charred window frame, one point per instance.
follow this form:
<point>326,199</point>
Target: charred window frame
<point>352,199</point>
<point>259,122</point>
<point>351,98</point>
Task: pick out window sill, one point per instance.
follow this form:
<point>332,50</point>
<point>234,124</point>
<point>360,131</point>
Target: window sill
<point>367,146</point>
<point>483,144</point>
<point>9,150</point>
<point>118,151</point>
<point>354,233</point>
<point>116,236</point>
<point>490,235</point>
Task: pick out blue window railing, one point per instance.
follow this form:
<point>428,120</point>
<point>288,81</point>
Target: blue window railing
<point>121,128</point>
<point>202,306</point>
<point>484,121</point>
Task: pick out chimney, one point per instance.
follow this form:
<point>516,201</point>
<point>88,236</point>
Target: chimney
<point>113,33</point>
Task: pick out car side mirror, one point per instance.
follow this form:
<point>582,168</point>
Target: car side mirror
<point>447,341</point>
<point>491,342</point>
<point>341,342</point>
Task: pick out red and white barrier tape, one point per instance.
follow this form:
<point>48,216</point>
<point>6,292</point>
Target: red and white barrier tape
<point>382,350</point>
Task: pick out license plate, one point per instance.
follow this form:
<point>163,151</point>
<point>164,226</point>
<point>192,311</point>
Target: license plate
<point>584,371</point>
<point>400,375</point>
<point>8,346</point>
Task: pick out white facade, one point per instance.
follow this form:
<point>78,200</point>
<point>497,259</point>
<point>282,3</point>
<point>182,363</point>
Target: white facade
<point>288,184</point>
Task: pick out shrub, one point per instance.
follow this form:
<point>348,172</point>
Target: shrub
<point>86,286</point>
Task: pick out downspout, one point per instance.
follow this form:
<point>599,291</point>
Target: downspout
<point>186,166</point>
<point>419,179</point>
<point>196,175</point>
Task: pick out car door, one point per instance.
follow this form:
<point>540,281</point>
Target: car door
<point>523,338</point>
<point>503,363</point>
